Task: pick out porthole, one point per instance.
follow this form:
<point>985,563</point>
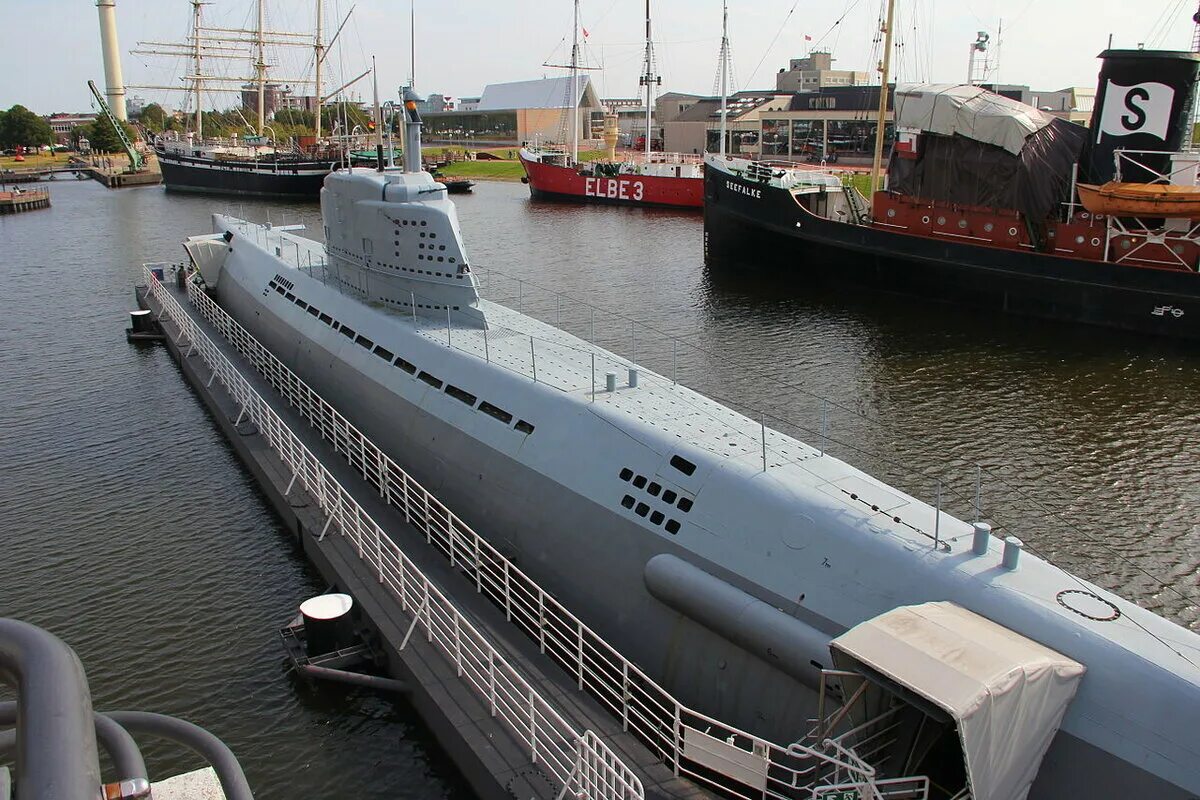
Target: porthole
<point>925,220</point>
<point>1079,239</point>
<point>941,220</point>
<point>1012,231</point>
<point>1095,241</point>
<point>962,224</point>
<point>891,212</point>
<point>987,227</point>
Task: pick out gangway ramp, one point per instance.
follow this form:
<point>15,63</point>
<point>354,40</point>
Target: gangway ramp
<point>476,679</point>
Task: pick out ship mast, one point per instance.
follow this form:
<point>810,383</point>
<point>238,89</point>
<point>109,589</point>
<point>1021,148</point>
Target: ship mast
<point>319,50</point>
<point>724,73</point>
<point>196,39</point>
<point>261,69</point>
<point>649,80</point>
<point>880,121</point>
<point>573,99</point>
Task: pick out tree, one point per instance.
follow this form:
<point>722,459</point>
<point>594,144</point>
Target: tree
<point>294,118</point>
<point>101,136</point>
<point>22,127</point>
<point>154,118</point>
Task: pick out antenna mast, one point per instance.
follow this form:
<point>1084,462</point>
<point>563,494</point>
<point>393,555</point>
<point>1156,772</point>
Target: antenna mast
<point>649,80</point>
<point>724,73</point>
<point>573,98</point>
<point>880,121</point>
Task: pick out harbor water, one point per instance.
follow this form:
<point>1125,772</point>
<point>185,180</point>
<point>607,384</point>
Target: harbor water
<point>130,530</point>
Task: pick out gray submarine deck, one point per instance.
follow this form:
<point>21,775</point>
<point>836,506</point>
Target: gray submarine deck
<point>485,751</point>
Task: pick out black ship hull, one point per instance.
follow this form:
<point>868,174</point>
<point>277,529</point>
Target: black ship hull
<point>750,224</point>
<point>263,178</point>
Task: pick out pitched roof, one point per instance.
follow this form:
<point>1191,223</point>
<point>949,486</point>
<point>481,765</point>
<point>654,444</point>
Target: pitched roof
<point>543,93</point>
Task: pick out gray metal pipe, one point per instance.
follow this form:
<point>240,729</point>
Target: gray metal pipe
<point>216,752</point>
<point>114,739</point>
<point>56,747</point>
<point>353,678</point>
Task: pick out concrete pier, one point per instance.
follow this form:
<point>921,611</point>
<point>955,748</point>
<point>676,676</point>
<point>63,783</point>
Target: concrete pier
<point>15,202</point>
<point>490,756</point>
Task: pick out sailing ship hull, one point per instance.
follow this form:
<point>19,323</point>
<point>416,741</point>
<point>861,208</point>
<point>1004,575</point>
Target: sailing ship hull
<point>285,179</point>
<point>747,222</point>
<point>552,182</point>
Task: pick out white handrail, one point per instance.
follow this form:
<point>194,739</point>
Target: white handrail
<point>581,762</point>
<point>644,707</point>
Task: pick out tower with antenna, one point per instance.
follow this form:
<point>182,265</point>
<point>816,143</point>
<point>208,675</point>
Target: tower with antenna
<point>977,62</point>
<point>649,80</point>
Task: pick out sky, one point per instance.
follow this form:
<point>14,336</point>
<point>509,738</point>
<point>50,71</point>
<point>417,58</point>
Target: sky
<point>51,48</point>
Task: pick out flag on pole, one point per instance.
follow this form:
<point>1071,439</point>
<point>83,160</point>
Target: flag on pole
<point>585,33</point>
<point>807,38</point>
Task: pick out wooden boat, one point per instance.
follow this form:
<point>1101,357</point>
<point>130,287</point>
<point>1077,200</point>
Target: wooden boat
<point>1119,199</point>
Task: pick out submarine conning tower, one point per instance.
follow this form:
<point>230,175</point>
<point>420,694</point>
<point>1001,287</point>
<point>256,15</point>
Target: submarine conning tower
<point>392,237</point>
<point>1143,102</point>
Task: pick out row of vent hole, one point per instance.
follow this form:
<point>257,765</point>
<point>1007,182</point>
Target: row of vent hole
<point>463,396</point>
<point>654,489</point>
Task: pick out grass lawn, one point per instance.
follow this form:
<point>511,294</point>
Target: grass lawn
<point>486,170</point>
<point>862,183</point>
<point>35,161</point>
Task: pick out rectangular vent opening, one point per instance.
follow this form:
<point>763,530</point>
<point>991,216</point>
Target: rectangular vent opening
<point>301,303</point>
<point>672,526</point>
<point>524,427</point>
<point>431,380</point>
<point>626,474</point>
<point>363,341</point>
<point>494,411</point>
<point>348,332</point>
<point>316,312</point>
<point>407,366</point>
<point>384,353</point>
<point>683,465</point>
<point>459,394</point>
<point>627,501</point>
<point>328,320</point>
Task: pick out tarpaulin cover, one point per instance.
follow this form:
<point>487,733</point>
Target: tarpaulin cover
<point>970,111</point>
<point>965,171</point>
<point>1007,694</point>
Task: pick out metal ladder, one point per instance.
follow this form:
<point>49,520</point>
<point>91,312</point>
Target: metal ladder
<point>860,214</point>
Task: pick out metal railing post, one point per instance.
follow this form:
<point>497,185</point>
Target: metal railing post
<point>533,359</point>
<point>824,425</point>
<point>937,516</point>
<point>764,441</point>
<point>978,491</point>
<point>674,360</point>
<point>448,344</point>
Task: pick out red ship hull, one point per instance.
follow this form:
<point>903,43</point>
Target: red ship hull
<point>552,182</point>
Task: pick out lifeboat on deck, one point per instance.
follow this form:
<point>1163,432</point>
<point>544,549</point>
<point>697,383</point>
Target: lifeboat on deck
<point>1117,199</point>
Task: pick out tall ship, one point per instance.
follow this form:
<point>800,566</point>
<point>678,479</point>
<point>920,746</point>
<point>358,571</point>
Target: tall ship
<point>792,601</point>
<point>654,179</point>
<point>250,165</point>
<point>993,204</point>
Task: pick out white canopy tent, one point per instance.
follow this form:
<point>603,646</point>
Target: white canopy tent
<point>969,111</point>
<point>1006,694</point>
